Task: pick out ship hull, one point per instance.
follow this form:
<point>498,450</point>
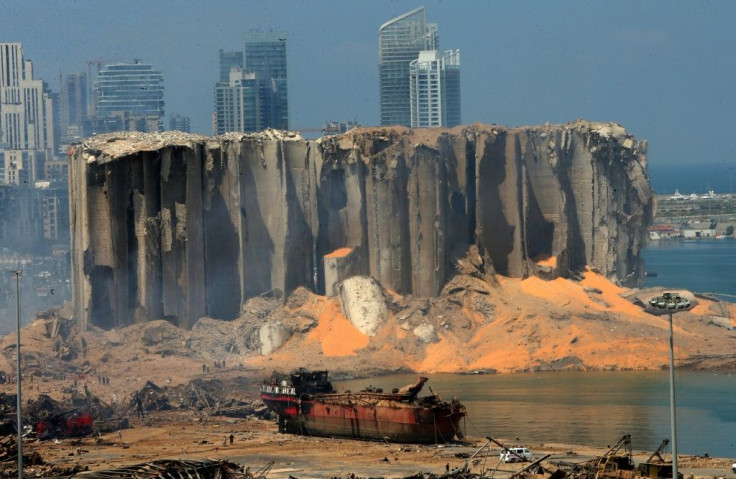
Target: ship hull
<point>367,416</point>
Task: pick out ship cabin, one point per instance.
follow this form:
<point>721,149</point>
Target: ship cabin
<point>299,382</point>
<point>282,389</point>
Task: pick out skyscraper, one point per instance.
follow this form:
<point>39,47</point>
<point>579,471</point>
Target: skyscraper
<point>242,104</point>
<point>229,60</point>
<point>73,107</point>
<point>26,106</point>
<point>26,119</point>
<point>132,93</point>
<point>252,93</point>
<point>435,89</point>
<point>399,42</point>
<point>265,55</point>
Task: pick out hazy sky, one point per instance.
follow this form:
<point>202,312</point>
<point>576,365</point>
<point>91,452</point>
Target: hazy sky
<point>666,70</point>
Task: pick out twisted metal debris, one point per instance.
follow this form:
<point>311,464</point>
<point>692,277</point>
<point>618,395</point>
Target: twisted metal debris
<point>178,469</point>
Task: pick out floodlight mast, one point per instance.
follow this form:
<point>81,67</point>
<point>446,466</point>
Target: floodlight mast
<point>672,303</point>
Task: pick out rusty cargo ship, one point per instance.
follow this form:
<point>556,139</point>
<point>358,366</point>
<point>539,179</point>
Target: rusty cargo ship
<point>306,403</point>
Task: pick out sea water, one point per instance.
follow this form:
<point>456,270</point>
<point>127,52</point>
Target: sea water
<point>702,266</point>
<point>697,178</point>
<point>589,408</point>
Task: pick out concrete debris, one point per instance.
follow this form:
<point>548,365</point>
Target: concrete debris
<point>362,301</point>
<point>340,265</point>
<point>272,335</point>
<point>197,395</point>
<point>426,333</point>
<point>179,227</point>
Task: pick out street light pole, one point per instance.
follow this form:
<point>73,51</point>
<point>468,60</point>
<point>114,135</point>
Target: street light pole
<point>18,378</point>
<point>673,416</point>
<point>672,303</point>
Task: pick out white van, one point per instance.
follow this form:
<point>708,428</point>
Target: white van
<point>516,454</point>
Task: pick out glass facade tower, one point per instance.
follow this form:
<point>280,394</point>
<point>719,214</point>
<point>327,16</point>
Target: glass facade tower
<point>133,89</point>
<point>243,104</point>
<point>265,55</point>
<point>435,89</point>
<point>399,42</point>
<point>252,93</point>
<point>73,107</point>
<point>229,60</point>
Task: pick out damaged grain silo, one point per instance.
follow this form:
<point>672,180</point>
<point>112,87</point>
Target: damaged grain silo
<point>182,226</point>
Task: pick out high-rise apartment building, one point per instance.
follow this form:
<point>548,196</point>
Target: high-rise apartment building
<point>73,107</point>
<point>242,104</point>
<point>132,94</point>
<point>399,42</point>
<point>229,60</point>
<point>265,55</point>
<point>26,119</point>
<point>434,89</point>
<point>252,93</point>
<point>26,106</point>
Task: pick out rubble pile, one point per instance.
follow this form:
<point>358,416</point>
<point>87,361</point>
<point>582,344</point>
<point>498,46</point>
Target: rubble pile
<point>168,468</point>
<point>197,395</point>
<point>9,458</point>
<point>152,397</point>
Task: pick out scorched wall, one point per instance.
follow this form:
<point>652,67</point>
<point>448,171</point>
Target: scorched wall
<point>182,226</point>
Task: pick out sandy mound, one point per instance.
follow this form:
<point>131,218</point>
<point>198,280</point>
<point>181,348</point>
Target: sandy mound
<point>503,325</point>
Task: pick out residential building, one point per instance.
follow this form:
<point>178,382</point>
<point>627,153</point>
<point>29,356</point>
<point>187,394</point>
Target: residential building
<point>243,104</point>
<point>33,217</point>
<point>25,167</point>
<point>26,104</point>
<point>131,92</point>
<point>229,60</point>
<point>399,42</point>
<point>54,212</point>
<point>27,133</point>
<point>434,89</point>
<point>34,203</point>
<point>56,172</point>
<point>254,94</point>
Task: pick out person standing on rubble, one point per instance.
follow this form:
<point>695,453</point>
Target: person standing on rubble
<point>139,404</point>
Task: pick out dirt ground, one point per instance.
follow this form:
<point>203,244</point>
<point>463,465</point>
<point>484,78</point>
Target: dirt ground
<point>256,443</point>
<point>505,325</point>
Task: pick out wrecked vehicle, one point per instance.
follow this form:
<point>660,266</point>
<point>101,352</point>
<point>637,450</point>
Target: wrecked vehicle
<point>516,454</point>
<point>65,425</point>
<point>306,403</point>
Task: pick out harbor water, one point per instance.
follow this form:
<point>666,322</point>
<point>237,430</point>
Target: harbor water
<point>701,266</point>
<point>591,408</point>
